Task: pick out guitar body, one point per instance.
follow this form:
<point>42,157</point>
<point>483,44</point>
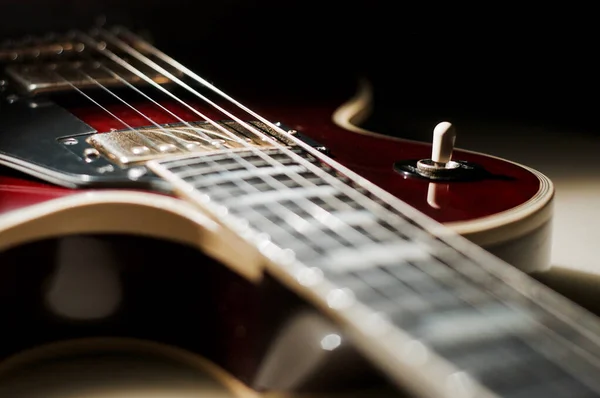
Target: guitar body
<point>273,245</point>
<point>509,214</point>
<point>97,302</point>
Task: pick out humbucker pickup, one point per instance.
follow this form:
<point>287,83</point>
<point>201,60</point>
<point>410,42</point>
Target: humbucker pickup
<point>127,147</point>
<point>43,78</point>
<point>40,66</point>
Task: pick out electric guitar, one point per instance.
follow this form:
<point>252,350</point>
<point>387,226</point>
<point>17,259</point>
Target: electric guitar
<point>270,239</point>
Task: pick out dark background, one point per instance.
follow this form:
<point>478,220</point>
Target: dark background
<point>532,65</point>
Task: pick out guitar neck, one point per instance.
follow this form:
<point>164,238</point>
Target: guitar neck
<point>423,304</point>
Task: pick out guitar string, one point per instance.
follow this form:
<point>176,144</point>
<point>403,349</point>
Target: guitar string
<point>264,120</point>
<point>292,237</point>
<point>535,321</point>
<point>497,270</point>
<point>73,85</point>
<point>283,209</point>
<point>361,198</point>
<point>199,131</point>
<point>405,309</point>
<point>98,83</point>
<point>109,112</point>
<point>182,143</point>
<point>114,116</point>
<point>115,75</point>
<point>144,59</point>
<point>295,176</point>
<point>416,216</point>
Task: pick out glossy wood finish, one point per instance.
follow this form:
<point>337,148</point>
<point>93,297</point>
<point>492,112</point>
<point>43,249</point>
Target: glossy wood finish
<point>369,155</point>
<point>47,295</point>
<point>197,306</point>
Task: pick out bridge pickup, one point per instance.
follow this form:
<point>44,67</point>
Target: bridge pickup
<point>127,147</point>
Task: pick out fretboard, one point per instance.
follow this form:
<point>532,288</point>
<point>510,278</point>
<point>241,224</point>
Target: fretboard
<point>446,307</point>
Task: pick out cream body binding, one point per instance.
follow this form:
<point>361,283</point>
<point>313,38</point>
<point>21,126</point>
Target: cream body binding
<point>129,368</point>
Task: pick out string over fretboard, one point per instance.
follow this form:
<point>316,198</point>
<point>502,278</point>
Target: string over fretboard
<point>373,254</point>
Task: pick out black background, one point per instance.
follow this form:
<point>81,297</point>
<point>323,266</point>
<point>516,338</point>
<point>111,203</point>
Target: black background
<point>533,65</point>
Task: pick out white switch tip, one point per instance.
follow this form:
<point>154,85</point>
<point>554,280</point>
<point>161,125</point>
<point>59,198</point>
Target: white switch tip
<point>444,136</point>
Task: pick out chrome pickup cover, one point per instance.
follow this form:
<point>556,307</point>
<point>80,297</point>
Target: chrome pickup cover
<point>147,143</point>
<point>53,77</point>
<point>55,64</point>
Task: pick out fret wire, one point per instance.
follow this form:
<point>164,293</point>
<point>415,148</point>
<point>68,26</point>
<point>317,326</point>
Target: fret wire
<point>310,207</point>
<point>359,197</point>
<point>110,92</point>
<point>269,159</point>
<point>262,216</point>
<point>282,230</point>
<point>242,173</point>
<point>520,336</point>
<point>375,229</point>
<point>310,204</point>
<point>474,273</point>
<point>246,190</point>
<point>425,224</point>
<point>533,324</point>
<point>491,292</point>
<point>499,294</point>
<point>367,227</point>
<point>530,338</point>
<point>128,49</point>
<point>293,239</point>
<point>115,58</point>
<point>317,209</point>
<point>177,162</point>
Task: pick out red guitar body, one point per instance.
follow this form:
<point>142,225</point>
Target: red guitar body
<point>485,211</point>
